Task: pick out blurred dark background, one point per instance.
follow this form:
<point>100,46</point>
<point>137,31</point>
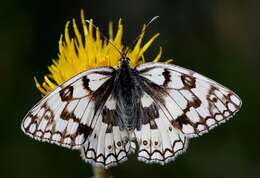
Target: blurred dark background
<point>220,39</point>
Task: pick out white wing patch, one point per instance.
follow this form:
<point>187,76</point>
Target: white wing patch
<point>159,142</point>
<point>65,115</point>
<point>107,145</point>
<point>194,103</point>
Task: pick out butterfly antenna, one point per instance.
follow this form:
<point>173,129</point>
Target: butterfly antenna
<point>107,39</point>
<point>142,32</point>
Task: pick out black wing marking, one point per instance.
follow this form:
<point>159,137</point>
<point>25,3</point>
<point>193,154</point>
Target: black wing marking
<point>159,142</point>
<point>192,102</point>
<point>107,145</point>
<point>66,116</point>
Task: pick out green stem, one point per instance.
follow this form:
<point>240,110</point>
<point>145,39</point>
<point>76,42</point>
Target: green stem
<point>99,172</point>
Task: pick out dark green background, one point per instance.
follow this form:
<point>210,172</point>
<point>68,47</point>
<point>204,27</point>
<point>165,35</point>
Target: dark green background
<point>220,39</point>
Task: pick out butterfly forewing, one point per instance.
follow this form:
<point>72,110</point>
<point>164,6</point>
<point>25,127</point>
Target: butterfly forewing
<point>193,102</point>
<point>66,115</point>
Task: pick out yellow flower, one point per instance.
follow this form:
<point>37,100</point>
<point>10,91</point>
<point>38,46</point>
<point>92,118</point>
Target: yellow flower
<point>88,50</point>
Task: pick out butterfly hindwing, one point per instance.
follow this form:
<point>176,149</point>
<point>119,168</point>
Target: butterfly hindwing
<point>159,142</point>
<point>66,115</point>
<point>194,103</point>
<point>107,144</point>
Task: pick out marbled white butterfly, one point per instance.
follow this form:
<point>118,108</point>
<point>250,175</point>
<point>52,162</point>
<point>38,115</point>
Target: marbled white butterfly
<point>104,112</point>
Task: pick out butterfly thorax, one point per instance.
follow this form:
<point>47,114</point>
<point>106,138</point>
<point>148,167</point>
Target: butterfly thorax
<point>127,92</point>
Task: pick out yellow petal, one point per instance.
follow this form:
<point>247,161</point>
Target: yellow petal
<point>82,51</point>
<point>148,44</point>
<point>158,57</point>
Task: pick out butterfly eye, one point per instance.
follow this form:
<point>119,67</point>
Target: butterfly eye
<point>124,63</point>
<point>125,60</point>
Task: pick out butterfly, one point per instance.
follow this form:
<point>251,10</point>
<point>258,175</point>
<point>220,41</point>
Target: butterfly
<point>153,109</point>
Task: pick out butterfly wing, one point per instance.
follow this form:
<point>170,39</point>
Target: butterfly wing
<point>194,103</point>
<point>159,142</point>
<point>107,145</point>
<point>178,104</point>
<point>67,115</point>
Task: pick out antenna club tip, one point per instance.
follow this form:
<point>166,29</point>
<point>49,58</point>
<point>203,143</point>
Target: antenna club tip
<point>153,19</point>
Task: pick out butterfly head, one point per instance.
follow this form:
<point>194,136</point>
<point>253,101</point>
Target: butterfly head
<point>124,63</point>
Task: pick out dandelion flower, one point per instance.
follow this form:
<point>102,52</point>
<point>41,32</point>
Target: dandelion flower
<point>88,50</point>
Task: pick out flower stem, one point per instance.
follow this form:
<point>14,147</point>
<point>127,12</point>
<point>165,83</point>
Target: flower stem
<point>99,172</point>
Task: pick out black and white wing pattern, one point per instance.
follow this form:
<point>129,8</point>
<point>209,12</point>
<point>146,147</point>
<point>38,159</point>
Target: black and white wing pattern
<point>187,104</point>
<point>78,114</point>
<point>66,116</point>
<point>176,104</point>
<point>107,145</point>
<point>159,142</point>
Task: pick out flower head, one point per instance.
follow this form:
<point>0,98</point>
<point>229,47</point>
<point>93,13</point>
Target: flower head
<point>88,50</point>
